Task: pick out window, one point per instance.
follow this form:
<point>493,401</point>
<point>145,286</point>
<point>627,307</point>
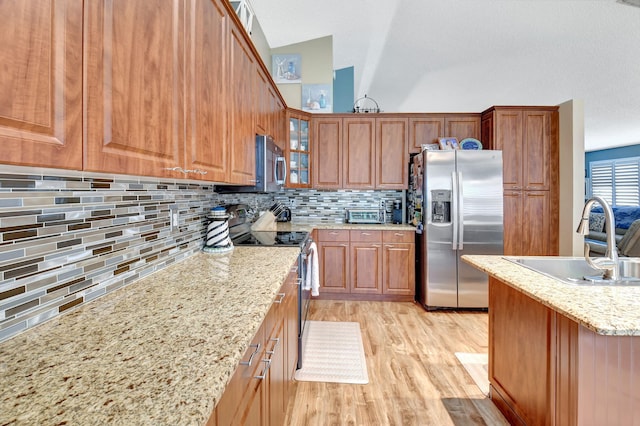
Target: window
<point>617,181</point>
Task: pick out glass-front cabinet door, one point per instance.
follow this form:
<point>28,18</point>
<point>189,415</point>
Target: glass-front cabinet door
<point>299,152</point>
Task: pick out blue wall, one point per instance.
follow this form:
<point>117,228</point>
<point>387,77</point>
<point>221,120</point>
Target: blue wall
<point>610,154</point>
<point>343,90</point>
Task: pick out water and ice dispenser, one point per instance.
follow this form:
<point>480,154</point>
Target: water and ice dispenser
<point>441,206</point>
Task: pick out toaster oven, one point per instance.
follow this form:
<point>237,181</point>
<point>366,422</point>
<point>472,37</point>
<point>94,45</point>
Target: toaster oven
<point>365,215</point>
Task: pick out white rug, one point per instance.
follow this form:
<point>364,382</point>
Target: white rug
<point>333,352</point>
<point>477,365</point>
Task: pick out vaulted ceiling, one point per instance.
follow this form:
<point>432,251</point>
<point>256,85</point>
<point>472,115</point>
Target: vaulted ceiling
<point>467,55</point>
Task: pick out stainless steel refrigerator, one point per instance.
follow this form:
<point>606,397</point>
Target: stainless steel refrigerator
<point>461,214</point>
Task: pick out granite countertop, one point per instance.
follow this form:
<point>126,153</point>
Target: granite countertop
<point>607,310</point>
<point>295,226</point>
<point>157,352</point>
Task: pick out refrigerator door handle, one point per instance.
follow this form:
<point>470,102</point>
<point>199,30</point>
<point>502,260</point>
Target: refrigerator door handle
<point>460,211</point>
<point>454,208</point>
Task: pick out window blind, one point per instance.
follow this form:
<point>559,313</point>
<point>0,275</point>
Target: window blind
<point>617,181</point>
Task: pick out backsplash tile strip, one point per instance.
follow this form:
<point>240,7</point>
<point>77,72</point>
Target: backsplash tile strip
<point>68,238</point>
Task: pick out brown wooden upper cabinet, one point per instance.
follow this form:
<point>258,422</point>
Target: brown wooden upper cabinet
<point>150,108</point>
<point>299,149</point>
<point>41,84</point>
<point>427,128</point>
<point>327,155</point>
<point>526,137</point>
<point>360,152</point>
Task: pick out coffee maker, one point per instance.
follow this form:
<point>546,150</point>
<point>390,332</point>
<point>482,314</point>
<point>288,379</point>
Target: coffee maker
<point>397,212</point>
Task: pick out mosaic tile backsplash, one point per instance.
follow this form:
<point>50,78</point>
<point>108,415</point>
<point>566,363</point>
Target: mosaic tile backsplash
<point>318,206</point>
<point>67,237</point>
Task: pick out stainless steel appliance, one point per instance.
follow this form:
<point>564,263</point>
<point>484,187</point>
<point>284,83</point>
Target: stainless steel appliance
<point>242,236</point>
<point>365,215</point>
<point>271,169</point>
<point>461,203</point>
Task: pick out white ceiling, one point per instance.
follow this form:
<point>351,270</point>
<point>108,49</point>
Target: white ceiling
<point>467,55</point>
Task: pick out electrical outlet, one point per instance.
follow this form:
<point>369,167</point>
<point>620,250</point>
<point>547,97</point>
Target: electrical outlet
<point>174,217</point>
<point>292,202</point>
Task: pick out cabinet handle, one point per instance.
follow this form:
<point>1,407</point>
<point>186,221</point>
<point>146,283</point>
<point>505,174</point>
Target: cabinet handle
<point>266,369</point>
<point>389,245</point>
<point>344,245</point>
<point>175,169</point>
<point>257,346</point>
<point>273,350</point>
<point>282,295</point>
<point>333,233</point>
<point>399,234</point>
<point>365,233</point>
<point>375,245</point>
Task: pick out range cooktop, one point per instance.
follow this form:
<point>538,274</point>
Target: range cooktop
<point>272,238</point>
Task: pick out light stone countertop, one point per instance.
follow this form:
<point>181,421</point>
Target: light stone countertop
<point>607,310</point>
<point>302,226</point>
<point>157,352</point>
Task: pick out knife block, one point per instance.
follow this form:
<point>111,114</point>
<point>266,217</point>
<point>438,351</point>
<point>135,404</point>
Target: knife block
<point>266,222</point>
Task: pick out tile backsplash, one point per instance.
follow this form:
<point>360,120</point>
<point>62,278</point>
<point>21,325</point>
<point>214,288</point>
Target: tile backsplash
<point>317,206</point>
<point>69,237</point>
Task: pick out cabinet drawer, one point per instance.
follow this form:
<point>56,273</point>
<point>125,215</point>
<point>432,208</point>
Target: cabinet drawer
<point>398,236</point>
<point>333,235</point>
<point>366,236</point>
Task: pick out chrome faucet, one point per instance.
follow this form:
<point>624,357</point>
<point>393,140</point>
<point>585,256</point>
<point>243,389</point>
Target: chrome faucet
<point>609,263</point>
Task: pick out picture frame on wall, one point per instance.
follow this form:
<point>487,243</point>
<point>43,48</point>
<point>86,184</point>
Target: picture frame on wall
<point>286,69</point>
<point>317,98</point>
<point>448,143</point>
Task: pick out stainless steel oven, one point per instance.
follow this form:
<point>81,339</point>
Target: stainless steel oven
<point>287,239</point>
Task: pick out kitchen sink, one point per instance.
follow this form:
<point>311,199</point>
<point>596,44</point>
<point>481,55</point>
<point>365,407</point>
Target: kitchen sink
<point>576,270</point>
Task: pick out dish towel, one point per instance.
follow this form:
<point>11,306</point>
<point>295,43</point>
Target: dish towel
<point>312,281</point>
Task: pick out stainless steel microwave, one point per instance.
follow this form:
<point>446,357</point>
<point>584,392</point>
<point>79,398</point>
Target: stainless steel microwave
<point>271,169</point>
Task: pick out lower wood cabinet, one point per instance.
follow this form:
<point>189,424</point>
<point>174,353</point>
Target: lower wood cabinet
<point>528,219</point>
<point>259,390</point>
<point>367,264</point>
<point>546,369</point>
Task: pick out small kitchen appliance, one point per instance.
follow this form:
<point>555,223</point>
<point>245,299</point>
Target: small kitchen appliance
<point>365,215</point>
<point>397,212</point>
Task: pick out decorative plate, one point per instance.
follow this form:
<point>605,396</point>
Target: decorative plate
<point>470,143</point>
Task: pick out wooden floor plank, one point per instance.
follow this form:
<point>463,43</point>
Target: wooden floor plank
<point>414,376</point>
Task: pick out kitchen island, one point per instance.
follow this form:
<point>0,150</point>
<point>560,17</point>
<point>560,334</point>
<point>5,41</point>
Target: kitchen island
<point>561,354</point>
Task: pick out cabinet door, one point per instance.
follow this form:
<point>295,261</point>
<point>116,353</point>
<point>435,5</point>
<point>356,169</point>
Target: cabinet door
<point>327,153</point>
<point>299,152</point>
<point>399,267</point>
<point>366,268</point>
<point>359,153</point>
<point>424,130</point>
<point>134,87</point>
<point>536,152</point>
<point>242,137</point>
<point>276,391</point>
<point>206,96</point>
<point>513,229</point>
<point>291,325</point>
<point>261,102</point>
<point>486,131</point>
<point>392,153</point>
<point>462,127</point>
<point>535,224</point>
<point>521,370</point>
<point>334,267</point>
<point>41,83</point>
<point>508,138</point>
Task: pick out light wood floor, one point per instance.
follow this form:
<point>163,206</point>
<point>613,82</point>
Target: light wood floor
<point>414,376</point>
